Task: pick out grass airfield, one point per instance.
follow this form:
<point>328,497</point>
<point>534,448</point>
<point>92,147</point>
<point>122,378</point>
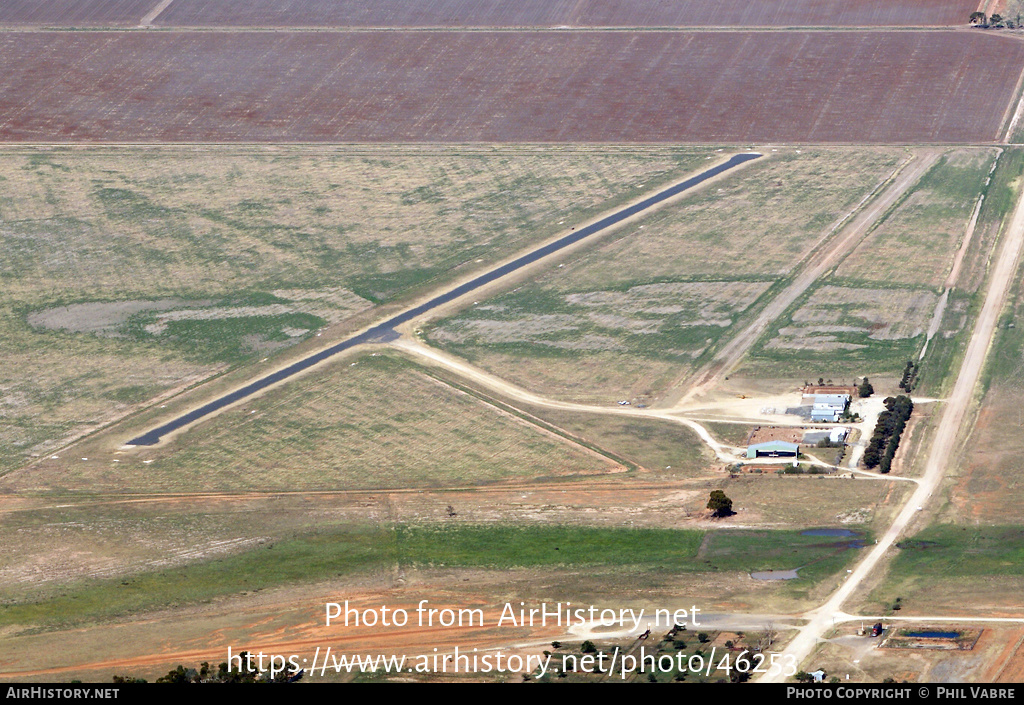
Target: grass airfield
<point>385,477</point>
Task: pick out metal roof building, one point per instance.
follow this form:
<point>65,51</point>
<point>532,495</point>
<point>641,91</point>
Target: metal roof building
<point>829,407</point>
<point>773,449</point>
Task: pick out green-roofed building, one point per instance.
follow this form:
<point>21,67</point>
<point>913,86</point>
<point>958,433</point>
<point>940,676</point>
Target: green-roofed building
<point>773,449</point>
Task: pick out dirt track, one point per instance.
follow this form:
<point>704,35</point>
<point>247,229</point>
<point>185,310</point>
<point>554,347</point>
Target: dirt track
<point>906,175</point>
<point>944,444</point>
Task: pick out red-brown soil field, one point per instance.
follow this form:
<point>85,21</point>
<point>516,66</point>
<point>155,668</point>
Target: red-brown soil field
<point>570,13</point>
<point>73,13</point>
<point>628,87</point>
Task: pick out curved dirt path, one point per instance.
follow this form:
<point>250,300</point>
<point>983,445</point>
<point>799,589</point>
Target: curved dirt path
<point>723,452</point>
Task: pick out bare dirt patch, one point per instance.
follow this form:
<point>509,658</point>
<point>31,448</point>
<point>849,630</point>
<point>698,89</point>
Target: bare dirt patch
<point>1011,670</point>
<point>846,653</point>
<point>762,434</point>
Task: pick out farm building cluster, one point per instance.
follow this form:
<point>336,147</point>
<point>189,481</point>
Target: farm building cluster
<point>821,404</point>
<point>827,408</point>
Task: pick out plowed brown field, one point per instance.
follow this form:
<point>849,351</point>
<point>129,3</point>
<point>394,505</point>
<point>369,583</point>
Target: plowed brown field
<point>741,87</point>
<point>88,13</point>
<point>572,13</point>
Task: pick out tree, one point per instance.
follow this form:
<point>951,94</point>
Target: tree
<point>1015,11</point>
<point>719,504</point>
<point>865,389</point>
<point>979,18</point>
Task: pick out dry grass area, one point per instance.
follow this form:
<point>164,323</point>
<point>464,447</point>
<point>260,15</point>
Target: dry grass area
<point>986,484</point>
<point>646,310</point>
<point>988,487</point>
<point>758,223</point>
<point>872,314</point>
<point>162,221</point>
<point>130,272</point>
<point>666,450</point>
<point>813,500</point>
<point>45,546</point>
<point>654,299</point>
<point>597,345</point>
<point>834,317</point>
<point>374,422</point>
<point>972,596</point>
<point>763,434</point>
<point>917,242</point>
<point>51,391</point>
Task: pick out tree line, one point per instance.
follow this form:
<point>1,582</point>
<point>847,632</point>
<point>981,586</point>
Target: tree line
<point>909,376</point>
<point>886,438</point>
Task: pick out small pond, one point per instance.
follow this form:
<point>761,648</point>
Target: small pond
<point>834,533</point>
<point>775,574</point>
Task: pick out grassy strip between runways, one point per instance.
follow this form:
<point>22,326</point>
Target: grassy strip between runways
<point>362,550</point>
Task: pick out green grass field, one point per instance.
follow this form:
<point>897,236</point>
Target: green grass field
<point>957,568</point>
<point>962,551</point>
<point>345,551</point>
<point>915,244</point>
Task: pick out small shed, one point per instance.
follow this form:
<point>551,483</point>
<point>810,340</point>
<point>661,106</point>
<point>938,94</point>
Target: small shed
<point>773,449</point>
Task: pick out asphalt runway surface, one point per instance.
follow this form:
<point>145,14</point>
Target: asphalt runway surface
<point>385,331</point>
